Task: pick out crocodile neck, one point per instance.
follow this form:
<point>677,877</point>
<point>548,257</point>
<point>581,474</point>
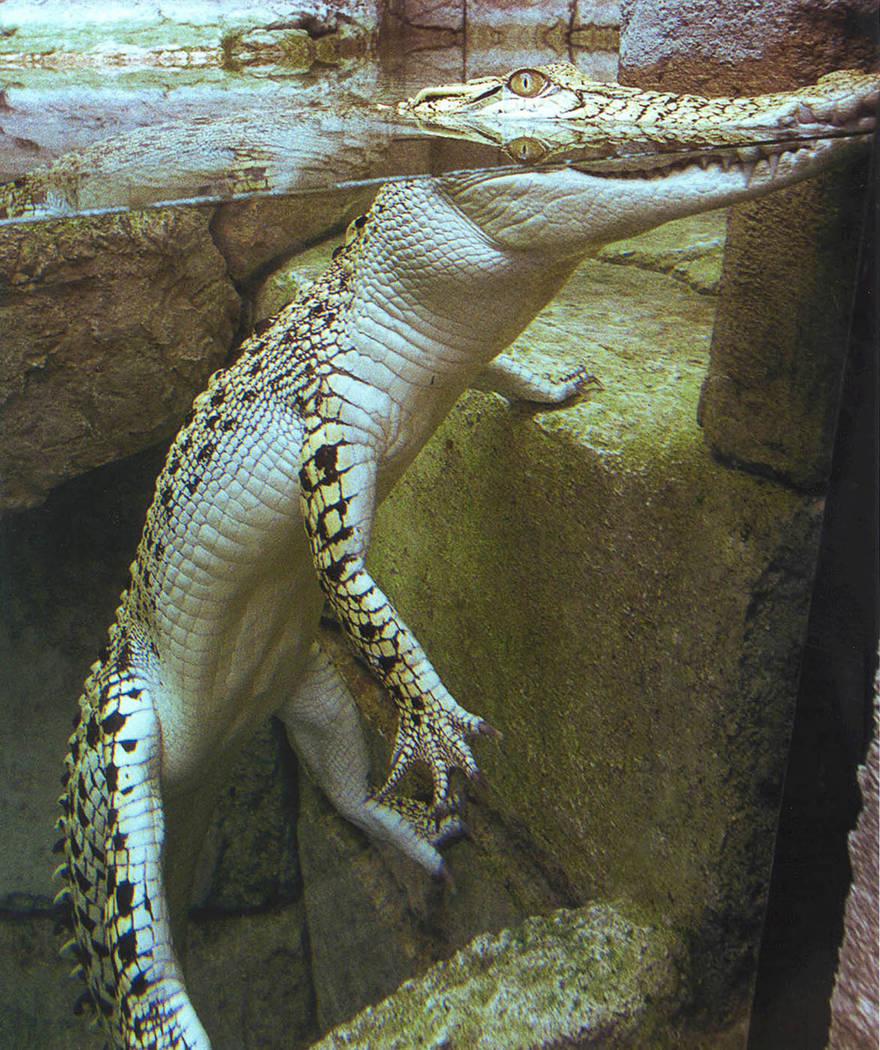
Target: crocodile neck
<point>431,304</point>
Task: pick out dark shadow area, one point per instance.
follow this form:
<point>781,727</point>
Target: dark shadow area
<point>811,873</point>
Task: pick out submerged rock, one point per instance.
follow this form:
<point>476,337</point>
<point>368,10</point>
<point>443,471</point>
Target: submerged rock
<point>249,979</point>
<point>626,610</point>
<point>576,978</point>
<point>690,250</point>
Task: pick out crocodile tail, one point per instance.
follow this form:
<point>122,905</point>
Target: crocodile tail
<point>113,827</point>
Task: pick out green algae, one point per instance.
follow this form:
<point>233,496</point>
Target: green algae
<point>575,977</point>
<point>599,588</point>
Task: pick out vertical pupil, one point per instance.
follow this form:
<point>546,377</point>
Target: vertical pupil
<point>526,83</point>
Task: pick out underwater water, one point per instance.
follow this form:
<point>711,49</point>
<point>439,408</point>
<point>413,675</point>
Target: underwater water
<point>625,603</point>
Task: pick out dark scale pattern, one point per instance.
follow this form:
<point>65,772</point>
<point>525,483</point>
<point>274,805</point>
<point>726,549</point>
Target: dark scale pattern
<point>107,820</point>
<point>111,853</point>
<point>331,478</point>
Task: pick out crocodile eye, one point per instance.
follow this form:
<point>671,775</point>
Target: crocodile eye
<point>527,82</point>
<point>354,228</point>
<point>526,150</point>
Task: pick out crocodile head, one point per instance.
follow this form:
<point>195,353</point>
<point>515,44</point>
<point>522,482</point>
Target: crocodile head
<point>841,103</point>
<point>598,162</point>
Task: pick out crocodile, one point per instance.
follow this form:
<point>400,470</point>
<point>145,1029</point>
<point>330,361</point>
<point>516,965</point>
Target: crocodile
<point>262,514</point>
<point>838,103</point>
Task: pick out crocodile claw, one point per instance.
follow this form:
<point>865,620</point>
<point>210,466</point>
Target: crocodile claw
<point>436,736</point>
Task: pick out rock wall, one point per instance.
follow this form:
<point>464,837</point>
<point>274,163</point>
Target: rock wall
<point>75,393</point>
<point>855,1015</point>
<point>769,402</point>
<point>741,47</point>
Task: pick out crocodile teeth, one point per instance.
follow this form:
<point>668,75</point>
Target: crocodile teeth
<point>748,161</point>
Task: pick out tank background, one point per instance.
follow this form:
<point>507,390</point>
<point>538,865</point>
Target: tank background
<point>35,949</point>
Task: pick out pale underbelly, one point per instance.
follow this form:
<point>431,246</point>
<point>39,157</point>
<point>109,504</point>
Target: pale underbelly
<point>244,658</point>
<point>237,607</point>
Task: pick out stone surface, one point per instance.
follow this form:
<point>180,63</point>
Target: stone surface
<point>771,396</point>
<point>36,991</point>
<point>625,609</point>
<point>589,978</point>
<point>250,859</point>
<point>249,979</point>
<point>252,234</point>
<point>770,400</point>
<point>855,1015</point>
<point>738,47</point>
<point>116,322</point>
<point>374,917</point>
<point>690,250</point>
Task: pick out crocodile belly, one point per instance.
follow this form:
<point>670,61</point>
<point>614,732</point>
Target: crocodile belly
<point>236,607</point>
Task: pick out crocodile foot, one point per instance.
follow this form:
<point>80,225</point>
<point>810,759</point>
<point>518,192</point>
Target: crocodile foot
<point>433,730</point>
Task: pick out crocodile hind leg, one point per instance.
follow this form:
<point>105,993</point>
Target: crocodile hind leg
<point>338,486</point>
<point>322,724</point>
<point>113,828</point>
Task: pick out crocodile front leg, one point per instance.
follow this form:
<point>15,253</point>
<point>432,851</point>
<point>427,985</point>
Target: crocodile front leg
<point>338,491</point>
<point>511,378</point>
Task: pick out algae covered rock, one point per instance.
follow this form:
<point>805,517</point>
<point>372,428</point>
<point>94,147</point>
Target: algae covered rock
<point>374,919</point>
<point>628,611</point>
<point>110,325</point>
<point>577,978</point>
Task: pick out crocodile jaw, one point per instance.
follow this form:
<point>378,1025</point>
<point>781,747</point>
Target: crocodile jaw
<point>576,209</point>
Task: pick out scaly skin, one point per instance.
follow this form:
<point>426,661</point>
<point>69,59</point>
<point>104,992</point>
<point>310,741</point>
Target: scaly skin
<point>264,508</point>
<point>841,101</point>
